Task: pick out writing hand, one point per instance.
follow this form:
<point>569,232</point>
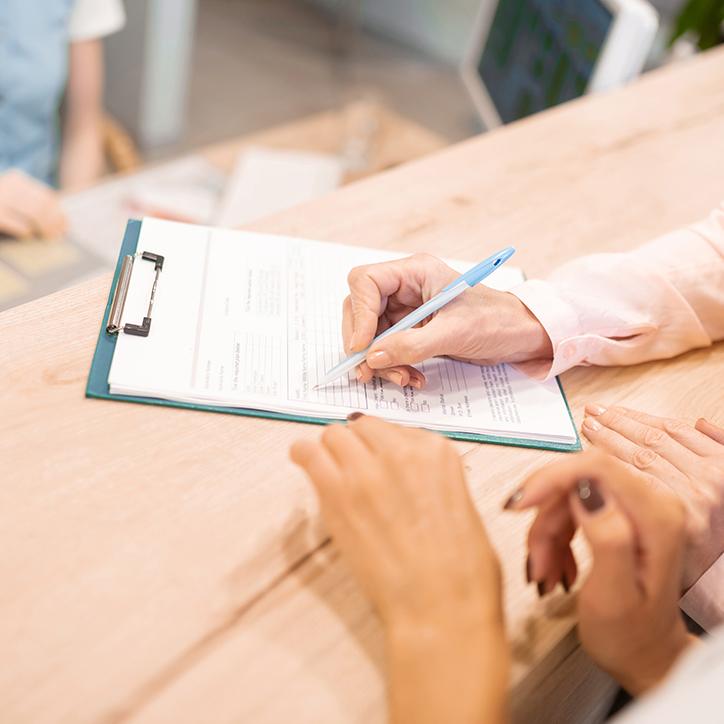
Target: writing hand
<point>482,325</point>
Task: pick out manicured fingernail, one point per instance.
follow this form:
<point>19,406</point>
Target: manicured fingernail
<point>590,495</point>
<point>514,499</point>
<point>354,416</point>
<point>591,425</point>
<point>595,409</point>
<point>379,359</point>
<point>528,570</point>
<point>541,589</point>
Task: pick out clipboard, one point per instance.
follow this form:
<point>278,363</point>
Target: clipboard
<point>98,388</point>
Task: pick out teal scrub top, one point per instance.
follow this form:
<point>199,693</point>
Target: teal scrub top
<point>34,44</point>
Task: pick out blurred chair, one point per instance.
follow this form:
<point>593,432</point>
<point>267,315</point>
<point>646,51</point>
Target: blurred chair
<point>119,148</point>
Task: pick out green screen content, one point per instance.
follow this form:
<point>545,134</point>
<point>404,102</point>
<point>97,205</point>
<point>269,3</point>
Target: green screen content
<point>541,53</point>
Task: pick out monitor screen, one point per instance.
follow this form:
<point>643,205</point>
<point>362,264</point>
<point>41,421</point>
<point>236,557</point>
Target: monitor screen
<point>541,52</point>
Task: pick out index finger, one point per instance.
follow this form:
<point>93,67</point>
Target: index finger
<point>384,437</point>
<point>687,435</point>
<point>369,287</point>
<point>317,462</point>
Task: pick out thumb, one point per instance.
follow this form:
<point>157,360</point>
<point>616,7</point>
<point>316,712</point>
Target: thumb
<point>613,581</point>
<point>405,348</point>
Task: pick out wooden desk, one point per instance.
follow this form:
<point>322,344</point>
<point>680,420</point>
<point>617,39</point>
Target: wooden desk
<point>160,565</point>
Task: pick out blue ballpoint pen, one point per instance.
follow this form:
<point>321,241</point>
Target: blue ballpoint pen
<point>452,290</point>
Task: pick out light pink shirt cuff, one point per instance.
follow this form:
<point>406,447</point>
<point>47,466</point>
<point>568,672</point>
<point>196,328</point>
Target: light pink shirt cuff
<point>704,601</point>
<point>561,322</point>
<point>654,302</point>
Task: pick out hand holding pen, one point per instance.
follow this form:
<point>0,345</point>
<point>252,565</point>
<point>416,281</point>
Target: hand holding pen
<point>482,325</point>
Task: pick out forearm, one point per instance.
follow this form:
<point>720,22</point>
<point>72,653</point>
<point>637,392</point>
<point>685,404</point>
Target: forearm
<point>654,302</point>
<point>449,673</point>
<point>81,160</point>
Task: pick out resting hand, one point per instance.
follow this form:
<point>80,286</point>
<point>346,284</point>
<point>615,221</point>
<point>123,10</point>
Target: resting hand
<point>29,208</point>
<point>674,455</point>
<point>629,619</point>
<point>396,504</point>
<point>482,325</point>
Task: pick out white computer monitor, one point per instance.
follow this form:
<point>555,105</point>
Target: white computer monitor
<point>528,55</point>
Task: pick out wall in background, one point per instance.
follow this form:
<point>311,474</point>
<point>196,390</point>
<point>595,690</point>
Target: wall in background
<point>147,69</point>
<point>441,28</point>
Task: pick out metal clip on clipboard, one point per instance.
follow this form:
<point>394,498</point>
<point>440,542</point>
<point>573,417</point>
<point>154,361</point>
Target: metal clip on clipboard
<point>121,292</point>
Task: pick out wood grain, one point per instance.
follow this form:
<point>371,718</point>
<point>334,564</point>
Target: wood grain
<point>164,565</point>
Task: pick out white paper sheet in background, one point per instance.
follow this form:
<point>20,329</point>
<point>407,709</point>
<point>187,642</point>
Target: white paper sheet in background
<point>267,180</point>
<point>188,189</point>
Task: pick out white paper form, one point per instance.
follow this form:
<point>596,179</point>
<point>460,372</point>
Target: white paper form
<point>267,180</point>
<point>250,320</point>
<point>189,188</point>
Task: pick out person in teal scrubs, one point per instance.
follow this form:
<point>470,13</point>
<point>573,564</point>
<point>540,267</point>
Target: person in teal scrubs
<point>51,86</point>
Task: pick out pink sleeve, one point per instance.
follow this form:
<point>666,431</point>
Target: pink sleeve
<point>654,302</point>
<point>704,601</point>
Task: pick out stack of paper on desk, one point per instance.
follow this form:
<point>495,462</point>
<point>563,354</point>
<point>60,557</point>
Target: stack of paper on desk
<point>252,321</point>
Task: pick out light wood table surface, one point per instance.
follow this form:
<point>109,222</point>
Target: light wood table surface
<point>161,565</point>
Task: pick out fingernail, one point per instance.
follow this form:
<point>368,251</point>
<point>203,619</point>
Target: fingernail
<point>358,374</point>
<point>590,495</point>
<point>590,424</point>
<point>541,589</point>
<point>595,409</point>
<point>354,416</point>
<point>379,359</point>
<point>528,570</point>
<point>414,382</point>
<point>395,377</point>
<point>514,499</point>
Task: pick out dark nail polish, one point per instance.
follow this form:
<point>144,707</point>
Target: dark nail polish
<point>590,495</point>
<point>541,589</point>
<point>354,416</point>
<point>514,499</point>
<point>528,567</point>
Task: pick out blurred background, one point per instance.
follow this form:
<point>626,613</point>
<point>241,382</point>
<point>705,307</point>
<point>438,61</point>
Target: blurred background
<point>212,69</point>
<point>224,111</point>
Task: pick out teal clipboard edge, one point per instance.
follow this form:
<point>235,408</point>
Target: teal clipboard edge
<point>97,386</point>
